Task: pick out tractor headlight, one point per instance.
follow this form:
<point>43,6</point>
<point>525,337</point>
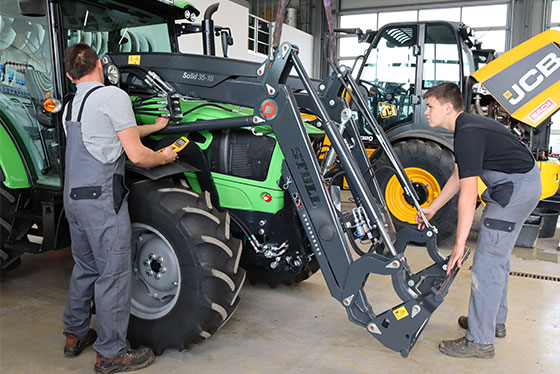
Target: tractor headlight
<point>193,17</point>
<point>187,14</point>
<point>112,74</point>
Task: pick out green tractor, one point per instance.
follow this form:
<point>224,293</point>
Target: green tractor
<point>228,214</point>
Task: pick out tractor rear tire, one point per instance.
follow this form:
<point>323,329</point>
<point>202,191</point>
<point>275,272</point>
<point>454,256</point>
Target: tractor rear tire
<point>429,165</point>
<point>14,233</point>
<point>186,274</point>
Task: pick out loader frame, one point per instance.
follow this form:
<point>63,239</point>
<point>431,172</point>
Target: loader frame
<point>276,100</point>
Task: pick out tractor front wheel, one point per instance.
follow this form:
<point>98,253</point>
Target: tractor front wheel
<point>186,274</point>
<point>13,233</point>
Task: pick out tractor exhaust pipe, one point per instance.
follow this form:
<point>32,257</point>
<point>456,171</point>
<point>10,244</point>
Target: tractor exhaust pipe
<point>208,43</point>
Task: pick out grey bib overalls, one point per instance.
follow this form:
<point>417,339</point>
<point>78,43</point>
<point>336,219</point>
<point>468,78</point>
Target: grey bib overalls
<point>510,198</point>
<point>95,201</point>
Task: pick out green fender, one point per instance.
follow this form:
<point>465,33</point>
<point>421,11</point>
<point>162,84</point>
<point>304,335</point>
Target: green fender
<point>14,174</point>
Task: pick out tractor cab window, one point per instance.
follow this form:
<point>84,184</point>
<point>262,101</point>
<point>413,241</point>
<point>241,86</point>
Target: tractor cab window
<point>108,26</point>
<point>26,78</point>
<point>441,56</point>
<point>389,75</point>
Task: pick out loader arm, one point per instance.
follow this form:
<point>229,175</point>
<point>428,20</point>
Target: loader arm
<point>268,90</point>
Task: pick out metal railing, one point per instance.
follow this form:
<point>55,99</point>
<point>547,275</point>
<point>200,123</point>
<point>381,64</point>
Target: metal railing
<point>259,35</point>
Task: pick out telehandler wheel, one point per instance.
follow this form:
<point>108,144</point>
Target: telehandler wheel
<point>15,233</point>
<point>186,275</point>
<point>428,166</point>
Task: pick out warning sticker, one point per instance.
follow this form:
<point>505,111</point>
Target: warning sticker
<point>400,313</point>
<point>134,60</point>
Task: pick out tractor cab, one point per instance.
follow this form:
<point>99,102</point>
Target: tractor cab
<point>34,35</point>
<point>34,89</point>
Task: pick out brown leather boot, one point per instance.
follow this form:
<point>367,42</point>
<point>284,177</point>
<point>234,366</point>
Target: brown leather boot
<point>463,348</point>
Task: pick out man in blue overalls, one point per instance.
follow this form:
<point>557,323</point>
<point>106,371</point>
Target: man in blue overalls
<point>483,148</point>
<point>101,127</point>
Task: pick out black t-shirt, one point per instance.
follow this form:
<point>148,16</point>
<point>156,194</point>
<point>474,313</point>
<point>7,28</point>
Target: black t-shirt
<point>481,143</point>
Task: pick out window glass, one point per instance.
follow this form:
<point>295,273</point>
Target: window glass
<point>493,39</point>
<point>468,61</point>
<point>555,12</point>
<point>114,30</point>
<point>350,46</point>
<point>26,76</point>
<point>485,15</point>
<point>441,56</point>
<point>447,14</point>
<point>403,16</point>
<point>389,75</point>
<point>363,21</point>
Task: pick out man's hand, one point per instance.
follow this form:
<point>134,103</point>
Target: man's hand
<point>429,212</point>
<point>169,155</point>
<point>456,257</point>
<point>160,123</point>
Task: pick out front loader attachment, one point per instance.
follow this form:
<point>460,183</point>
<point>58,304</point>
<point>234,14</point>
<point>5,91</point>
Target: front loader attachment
<point>276,99</point>
<point>421,293</point>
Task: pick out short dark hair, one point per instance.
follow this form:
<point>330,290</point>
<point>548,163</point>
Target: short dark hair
<point>79,60</point>
<point>447,93</point>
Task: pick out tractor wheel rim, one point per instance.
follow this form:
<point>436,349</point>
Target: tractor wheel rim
<point>394,194</point>
<point>156,275</point>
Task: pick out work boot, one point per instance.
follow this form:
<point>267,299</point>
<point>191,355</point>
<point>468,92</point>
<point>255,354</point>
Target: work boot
<point>500,327</point>
<point>74,346</point>
<point>134,359</point>
<point>463,348</point>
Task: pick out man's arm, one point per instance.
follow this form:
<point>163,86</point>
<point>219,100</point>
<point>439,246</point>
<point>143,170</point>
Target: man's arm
<point>467,206</point>
<point>141,155</point>
<point>145,130</point>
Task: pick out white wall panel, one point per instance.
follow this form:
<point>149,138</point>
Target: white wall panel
<point>236,17</point>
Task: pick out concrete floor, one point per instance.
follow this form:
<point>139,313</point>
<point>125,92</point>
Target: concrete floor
<point>297,330</point>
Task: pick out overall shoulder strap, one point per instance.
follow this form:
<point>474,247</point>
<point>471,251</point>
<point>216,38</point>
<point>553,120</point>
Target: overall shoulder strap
<point>82,106</point>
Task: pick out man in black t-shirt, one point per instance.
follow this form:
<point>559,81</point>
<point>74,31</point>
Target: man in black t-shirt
<point>483,148</point>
